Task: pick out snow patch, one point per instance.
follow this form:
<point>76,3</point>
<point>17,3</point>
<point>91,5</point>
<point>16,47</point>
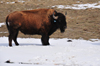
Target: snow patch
<point>3,32</point>
<point>10,2</point>
<point>21,1</point>
<point>2,24</point>
<point>79,6</point>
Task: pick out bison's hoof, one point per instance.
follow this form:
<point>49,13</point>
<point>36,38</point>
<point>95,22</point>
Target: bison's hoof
<point>17,44</point>
<point>46,44</point>
<point>10,45</point>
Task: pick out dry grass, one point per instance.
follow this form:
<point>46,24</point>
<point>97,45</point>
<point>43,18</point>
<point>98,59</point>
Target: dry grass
<point>81,23</point>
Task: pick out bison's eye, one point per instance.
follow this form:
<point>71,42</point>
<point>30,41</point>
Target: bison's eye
<point>54,20</point>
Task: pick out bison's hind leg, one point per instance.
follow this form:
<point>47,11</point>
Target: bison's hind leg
<point>13,33</point>
<point>15,38</point>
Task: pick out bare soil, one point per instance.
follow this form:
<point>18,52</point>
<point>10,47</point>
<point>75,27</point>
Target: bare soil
<point>80,23</point>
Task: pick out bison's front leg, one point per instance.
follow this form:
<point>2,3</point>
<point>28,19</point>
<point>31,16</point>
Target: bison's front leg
<point>45,40</point>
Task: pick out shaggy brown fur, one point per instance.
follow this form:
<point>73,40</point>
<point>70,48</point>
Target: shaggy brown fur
<point>39,21</point>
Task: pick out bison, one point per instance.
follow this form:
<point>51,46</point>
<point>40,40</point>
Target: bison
<point>43,22</point>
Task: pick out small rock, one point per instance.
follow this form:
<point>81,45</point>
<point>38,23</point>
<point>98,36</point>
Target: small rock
<point>85,29</point>
<point>8,61</point>
<point>69,40</point>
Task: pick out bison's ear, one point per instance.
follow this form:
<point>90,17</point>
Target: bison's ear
<point>55,17</point>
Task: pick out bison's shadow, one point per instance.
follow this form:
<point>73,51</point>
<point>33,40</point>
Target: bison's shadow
<point>21,44</point>
<point>95,43</point>
<point>24,44</point>
<point>3,44</point>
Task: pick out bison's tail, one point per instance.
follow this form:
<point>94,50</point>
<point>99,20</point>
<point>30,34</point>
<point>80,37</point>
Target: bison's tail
<point>7,22</point>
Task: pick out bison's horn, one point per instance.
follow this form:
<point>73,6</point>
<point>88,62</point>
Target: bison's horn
<point>55,17</point>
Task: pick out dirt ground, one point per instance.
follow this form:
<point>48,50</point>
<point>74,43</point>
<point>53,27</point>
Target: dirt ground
<point>80,23</point>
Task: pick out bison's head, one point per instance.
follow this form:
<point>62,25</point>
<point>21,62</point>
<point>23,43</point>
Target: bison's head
<point>60,20</point>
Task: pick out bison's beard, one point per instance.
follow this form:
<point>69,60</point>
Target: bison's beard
<point>62,30</point>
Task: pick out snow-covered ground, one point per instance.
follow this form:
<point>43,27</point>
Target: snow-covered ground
<point>79,6</point>
<point>30,52</point>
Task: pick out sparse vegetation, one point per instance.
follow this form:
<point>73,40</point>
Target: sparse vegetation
<point>81,23</point>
